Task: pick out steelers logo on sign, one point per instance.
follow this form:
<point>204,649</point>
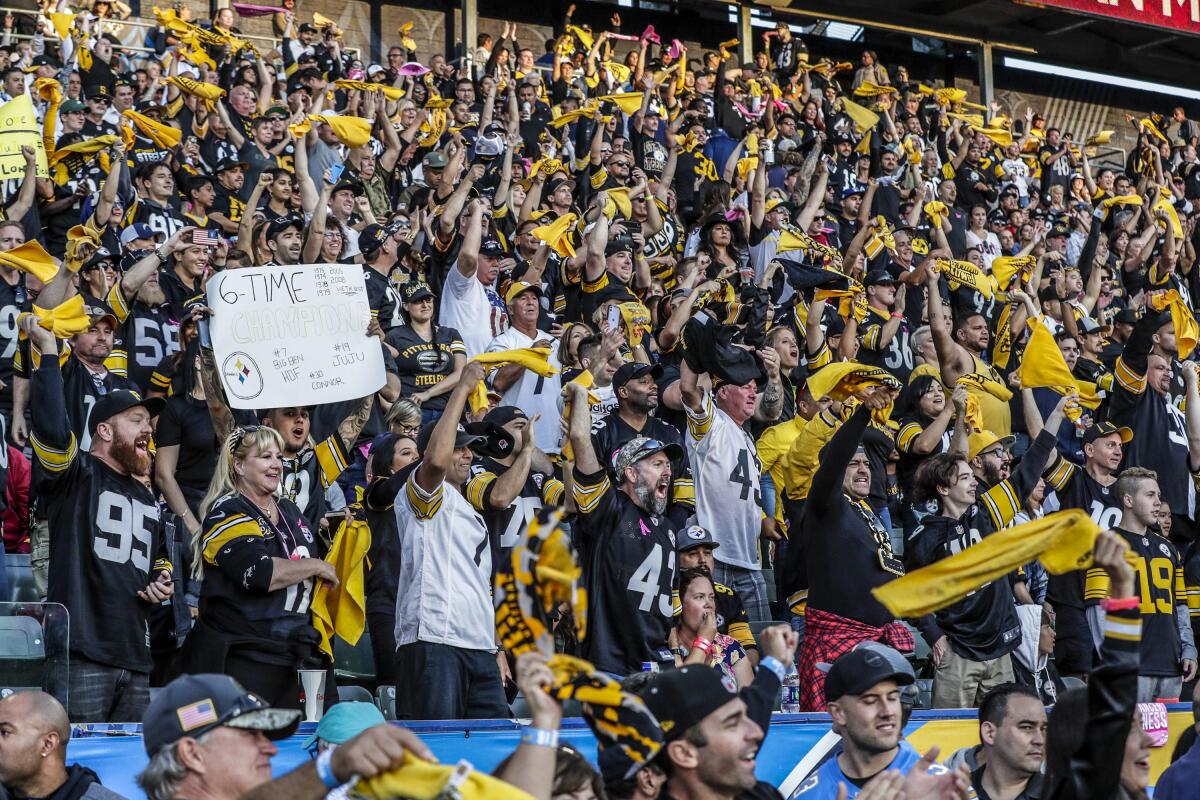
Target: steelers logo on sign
<point>243,378</point>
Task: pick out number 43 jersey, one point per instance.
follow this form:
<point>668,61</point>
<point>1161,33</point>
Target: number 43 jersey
<point>726,470</point>
<point>629,564</point>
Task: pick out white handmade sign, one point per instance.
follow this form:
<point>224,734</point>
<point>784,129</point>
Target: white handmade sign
<point>294,335</point>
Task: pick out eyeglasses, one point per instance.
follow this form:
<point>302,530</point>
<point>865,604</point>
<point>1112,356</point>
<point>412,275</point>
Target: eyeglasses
<point>619,164</point>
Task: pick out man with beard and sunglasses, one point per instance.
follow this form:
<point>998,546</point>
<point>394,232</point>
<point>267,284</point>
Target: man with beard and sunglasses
<point>108,540</point>
<point>627,544</point>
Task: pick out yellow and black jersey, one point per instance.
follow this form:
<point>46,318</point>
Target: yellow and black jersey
<point>107,542</point>
<point>308,475</point>
<point>1161,587</point>
<point>629,563</point>
<point>237,544</point>
<point>145,335</point>
<point>504,526</point>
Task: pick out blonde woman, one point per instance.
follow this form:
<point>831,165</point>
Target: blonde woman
<point>257,559</point>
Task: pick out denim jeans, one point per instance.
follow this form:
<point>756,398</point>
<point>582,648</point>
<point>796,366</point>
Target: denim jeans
<point>102,693</point>
<point>438,681</point>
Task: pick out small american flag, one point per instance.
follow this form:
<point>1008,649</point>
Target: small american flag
<point>204,237</point>
<point>196,714</point>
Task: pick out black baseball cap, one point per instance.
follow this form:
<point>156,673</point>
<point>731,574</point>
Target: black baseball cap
<point>502,415</point>
<point>1058,230</point>
<point>631,370</point>
<point>1102,429</point>
<point>695,536</point>
<point>372,238</point>
<point>879,277</point>
<point>860,669</point>
<point>462,438</point>
<point>1126,316</point>
<point>491,247</point>
<point>307,27</point>
<point>99,259</point>
<point>192,705</point>
<point>619,244</point>
<point>281,224</point>
<point>231,163</point>
<point>413,291</point>
<point>681,698</point>
<point>116,402</point>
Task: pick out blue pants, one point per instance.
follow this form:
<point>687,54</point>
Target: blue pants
<point>437,681</point>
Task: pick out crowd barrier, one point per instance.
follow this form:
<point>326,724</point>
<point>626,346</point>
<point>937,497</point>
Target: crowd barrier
<point>795,745</point>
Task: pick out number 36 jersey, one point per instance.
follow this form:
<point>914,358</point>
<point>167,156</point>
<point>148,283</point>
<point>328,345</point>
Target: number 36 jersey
<point>629,564</point>
<point>106,540</point>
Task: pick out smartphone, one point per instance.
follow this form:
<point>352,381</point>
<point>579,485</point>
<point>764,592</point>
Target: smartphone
<point>205,335</point>
<point>336,171</point>
<point>614,317</point>
<point>633,227</point>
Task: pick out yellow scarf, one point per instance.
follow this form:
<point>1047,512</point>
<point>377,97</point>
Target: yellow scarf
<point>558,235</point>
<point>31,257</point>
<point>1062,542</point>
<point>162,135</point>
<point>342,609</point>
<point>64,320</point>
<point>535,359</point>
<point>206,92</point>
<point>1006,268</point>
<point>966,274</point>
<point>1043,365</point>
<point>1186,330</point>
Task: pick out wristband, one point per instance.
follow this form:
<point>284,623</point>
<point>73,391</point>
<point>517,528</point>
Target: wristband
<point>702,644</point>
<point>1123,604</point>
<point>775,665</point>
<point>325,769</point>
<point>539,736</point>
<point>897,315</point>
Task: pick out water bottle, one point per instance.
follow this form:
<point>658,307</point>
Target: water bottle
<point>790,703</point>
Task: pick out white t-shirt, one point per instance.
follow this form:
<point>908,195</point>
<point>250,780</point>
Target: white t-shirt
<point>533,393</point>
<point>988,246</point>
<point>726,470</point>
<point>466,308</point>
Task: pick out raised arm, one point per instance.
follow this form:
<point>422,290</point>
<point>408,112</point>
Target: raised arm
<point>440,450</point>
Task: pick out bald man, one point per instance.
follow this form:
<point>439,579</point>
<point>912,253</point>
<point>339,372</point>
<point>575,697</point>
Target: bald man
<point>34,732</point>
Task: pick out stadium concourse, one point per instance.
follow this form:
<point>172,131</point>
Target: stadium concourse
<point>675,385</point>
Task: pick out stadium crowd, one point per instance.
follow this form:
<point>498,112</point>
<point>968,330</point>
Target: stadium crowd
<point>768,335</point>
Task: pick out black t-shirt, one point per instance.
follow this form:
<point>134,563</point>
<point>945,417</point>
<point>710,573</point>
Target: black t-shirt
<point>185,422</point>
<point>421,363</point>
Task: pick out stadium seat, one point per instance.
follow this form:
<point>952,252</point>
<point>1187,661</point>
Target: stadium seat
<point>354,663</point>
<point>354,694</point>
<point>385,698</point>
<point>21,588</point>
<point>22,652</point>
<point>925,692</point>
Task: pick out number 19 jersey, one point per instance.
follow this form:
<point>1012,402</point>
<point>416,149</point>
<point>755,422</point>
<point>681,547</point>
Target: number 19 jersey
<point>1160,585</point>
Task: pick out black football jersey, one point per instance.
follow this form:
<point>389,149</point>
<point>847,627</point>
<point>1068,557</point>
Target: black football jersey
<point>504,526</point>
<point>145,335</point>
<point>1161,587</point>
<point>421,363</point>
<point>629,566</point>
<point>106,535</point>
<point>238,543</point>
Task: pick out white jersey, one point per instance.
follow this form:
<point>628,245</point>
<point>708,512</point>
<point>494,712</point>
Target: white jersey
<point>726,469</point>
<point>443,594</point>
<point>468,309</point>
<point>533,393</point>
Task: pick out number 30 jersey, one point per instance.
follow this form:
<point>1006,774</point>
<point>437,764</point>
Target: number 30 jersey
<point>629,564</point>
<point>106,538</point>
